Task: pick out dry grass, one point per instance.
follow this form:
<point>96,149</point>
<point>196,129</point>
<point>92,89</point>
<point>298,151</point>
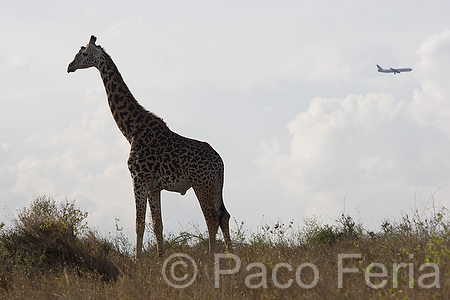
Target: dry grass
<point>50,253</point>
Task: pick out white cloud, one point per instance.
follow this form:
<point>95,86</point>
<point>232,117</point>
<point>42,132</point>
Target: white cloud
<point>430,105</point>
<point>32,178</point>
<point>434,53</point>
<point>335,136</point>
<point>360,148</point>
<point>85,161</point>
<point>371,149</point>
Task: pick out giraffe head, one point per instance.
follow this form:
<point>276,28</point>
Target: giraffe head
<point>87,57</point>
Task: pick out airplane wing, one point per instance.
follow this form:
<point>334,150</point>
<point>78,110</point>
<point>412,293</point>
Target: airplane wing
<point>395,71</point>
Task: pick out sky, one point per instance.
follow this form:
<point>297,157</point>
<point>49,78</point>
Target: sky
<point>287,92</point>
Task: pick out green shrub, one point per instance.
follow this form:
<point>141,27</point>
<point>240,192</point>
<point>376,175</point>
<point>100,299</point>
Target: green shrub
<point>50,236</point>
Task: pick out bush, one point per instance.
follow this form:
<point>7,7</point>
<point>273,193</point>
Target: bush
<point>48,236</point>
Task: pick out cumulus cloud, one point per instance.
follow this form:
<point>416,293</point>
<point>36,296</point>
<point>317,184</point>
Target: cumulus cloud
<point>336,135</point>
<point>430,105</point>
<point>85,161</point>
<point>372,149</point>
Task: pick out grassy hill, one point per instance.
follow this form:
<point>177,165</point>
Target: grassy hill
<point>49,252</point>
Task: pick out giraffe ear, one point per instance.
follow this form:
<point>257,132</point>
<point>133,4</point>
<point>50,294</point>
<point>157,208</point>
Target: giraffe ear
<point>92,40</point>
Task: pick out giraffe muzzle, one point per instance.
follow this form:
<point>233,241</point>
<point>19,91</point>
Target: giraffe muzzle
<point>71,68</point>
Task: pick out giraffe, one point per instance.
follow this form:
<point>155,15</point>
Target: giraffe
<point>159,159</point>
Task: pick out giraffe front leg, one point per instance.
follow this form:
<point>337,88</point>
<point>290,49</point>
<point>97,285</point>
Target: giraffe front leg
<point>140,194</point>
<point>154,200</point>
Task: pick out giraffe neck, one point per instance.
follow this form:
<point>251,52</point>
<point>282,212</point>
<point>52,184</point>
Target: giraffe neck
<point>126,111</point>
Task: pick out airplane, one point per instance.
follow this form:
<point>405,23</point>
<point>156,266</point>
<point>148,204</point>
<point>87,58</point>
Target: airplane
<point>391,70</point>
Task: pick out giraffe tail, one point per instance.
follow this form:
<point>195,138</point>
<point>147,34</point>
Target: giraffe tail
<point>223,213</point>
<point>220,206</point>
<point>224,218</point>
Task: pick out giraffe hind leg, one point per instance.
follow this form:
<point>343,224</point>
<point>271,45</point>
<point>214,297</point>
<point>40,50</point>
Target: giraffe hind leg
<point>207,204</point>
<point>213,226</point>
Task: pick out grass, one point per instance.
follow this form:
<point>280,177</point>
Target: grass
<point>49,252</point>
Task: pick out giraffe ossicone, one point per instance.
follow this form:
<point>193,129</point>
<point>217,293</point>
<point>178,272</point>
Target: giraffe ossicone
<point>160,159</point>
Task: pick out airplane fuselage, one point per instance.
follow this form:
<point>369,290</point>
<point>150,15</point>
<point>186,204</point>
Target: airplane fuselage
<point>392,70</point>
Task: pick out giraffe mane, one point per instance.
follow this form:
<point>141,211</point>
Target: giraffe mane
<point>138,105</point>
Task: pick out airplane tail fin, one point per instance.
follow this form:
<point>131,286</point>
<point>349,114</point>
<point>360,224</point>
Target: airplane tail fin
<point>379,68</point>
